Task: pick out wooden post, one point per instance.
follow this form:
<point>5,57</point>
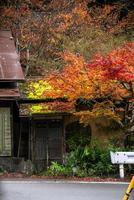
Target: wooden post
<point>18,154</point>
<point>29,138</point>
<point>121,169</point>
<point>47,156</point>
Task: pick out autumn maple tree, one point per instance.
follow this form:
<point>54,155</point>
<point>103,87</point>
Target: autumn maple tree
<point>105,86</point>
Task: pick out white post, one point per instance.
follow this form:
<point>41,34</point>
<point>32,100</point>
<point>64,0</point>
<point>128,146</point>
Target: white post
<point>121,168</point>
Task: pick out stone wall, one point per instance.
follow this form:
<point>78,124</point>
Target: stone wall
<point>12,164</point>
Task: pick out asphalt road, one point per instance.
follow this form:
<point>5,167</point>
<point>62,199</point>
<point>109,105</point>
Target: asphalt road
<point>42,190</point>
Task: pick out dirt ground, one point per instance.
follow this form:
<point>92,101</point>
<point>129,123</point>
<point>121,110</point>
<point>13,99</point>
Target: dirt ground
<point>88,179</point>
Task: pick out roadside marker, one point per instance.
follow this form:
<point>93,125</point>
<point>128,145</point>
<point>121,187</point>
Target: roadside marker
<point>129,189</point>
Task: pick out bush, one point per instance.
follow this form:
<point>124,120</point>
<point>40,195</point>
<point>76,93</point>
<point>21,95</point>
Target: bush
<point>57,169</point>
<point>1,169</point>
<point>92,160</point>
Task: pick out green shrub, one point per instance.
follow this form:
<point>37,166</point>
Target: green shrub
<point>1,169</point>
<point>57,169</point>
<point>91,160</point>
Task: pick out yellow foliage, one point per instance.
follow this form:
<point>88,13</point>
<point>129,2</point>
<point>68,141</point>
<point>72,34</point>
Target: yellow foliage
<point>37,89</point>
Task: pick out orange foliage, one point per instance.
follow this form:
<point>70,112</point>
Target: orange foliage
<point>101,77</point>
<point>106,78</point>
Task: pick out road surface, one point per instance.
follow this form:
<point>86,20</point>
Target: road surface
<point>48,190</point>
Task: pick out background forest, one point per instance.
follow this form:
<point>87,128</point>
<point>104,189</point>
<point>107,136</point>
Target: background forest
<point>47,28</point>
<point>84,49</point>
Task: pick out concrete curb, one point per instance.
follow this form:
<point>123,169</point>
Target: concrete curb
<point>28,181</point>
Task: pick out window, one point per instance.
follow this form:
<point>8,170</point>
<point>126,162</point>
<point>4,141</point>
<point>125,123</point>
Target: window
<point>5,132</point>
<point>77,134</point>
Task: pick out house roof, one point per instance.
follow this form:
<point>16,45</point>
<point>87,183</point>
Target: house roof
<point>9,93</point>
<point>9,90</point>
<point>10,68</point>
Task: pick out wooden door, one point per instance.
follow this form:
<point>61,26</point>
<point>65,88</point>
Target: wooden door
<point>41,142</point>
<point>55,140</point>
<point>48,142</point>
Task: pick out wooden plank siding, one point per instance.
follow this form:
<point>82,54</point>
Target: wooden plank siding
<point>5,131</point>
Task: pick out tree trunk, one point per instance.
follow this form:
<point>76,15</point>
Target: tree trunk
<point>129,125</point>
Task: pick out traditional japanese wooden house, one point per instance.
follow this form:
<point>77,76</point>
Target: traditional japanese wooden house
<point>10,74</point>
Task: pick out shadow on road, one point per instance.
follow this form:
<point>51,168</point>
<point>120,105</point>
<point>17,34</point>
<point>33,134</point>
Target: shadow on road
<point>1,191</point>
